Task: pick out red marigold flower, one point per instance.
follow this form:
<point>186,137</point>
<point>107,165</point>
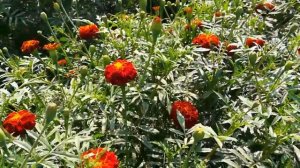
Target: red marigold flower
<point>189,112</point>
<point>230,47</point>
<point>120,72</point>
<point>17,123</point>
<point>29,46</point>
<point>88,31</point>
<point>266,7</point>
<point>99,158</point>
<point>156,8</point>
<point>62,62</point>
<point>206,40</point>
<point>51,46</point>
<point>251,41</point>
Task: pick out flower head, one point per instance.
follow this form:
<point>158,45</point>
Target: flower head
<point>197,22</point>
<point>251,42</point>
<point>218,14</point>
<point>88,31</point>
<point>229,47</point>
<point>62,62</point>
<point>188,10</point>
<point>206,40</point>
<point>29,46</point>
<point>120,72</point>
<point>99,158</point>
<point>17,123</point>
<point>51,46</point>
<point>156,8</point>
<point>189,112</point>
<point>264,7</point>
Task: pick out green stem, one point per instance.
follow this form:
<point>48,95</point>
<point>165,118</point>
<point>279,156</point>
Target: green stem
<point>33,146</point>
<point>147,65</point>
<point>36,95</point>
<point>187,158</point>
<point>125,123</point>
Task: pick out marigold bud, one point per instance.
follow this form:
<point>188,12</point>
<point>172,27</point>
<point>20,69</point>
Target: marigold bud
<point>92,49</point>
<point>5,49</point>
<point>2,138</point>
<point>104,18</point>
<point>106,60</point>
<point>50,112</point>
<point>156,28</point>
<point>169,3</point>
<point>83,70</point>
<point>44,16</point>
<point>56,6</point>
<point>198,134</point>
<point>288,65</point>
<point>39,32</point>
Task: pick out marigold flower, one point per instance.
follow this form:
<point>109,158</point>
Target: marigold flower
<point>99,158</point>
<point>51,46</point>
<point>230,47</point>
<point>188,10</point>
<point>88,31</point>
<point>71,73</point>
<point>62,62</point>
<point>16,123</point>
<point>251,41</point>
<point>206,40</point>
<point>189,112</point>
<point>156,8</point>
<point>197,22</point>
<point>218,14</point>
<point>266,7</point>
<point>29,46</point>
<point>120,72</point>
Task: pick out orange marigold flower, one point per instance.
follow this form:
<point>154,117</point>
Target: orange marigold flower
<point>189,112</point>
<point>197,22</point>
<point>230,47</point>
<point>156,8</point>
<point>16,123</point>
<point>99,158</point>
<point>206,40</point>
<point>120,72</point>
<point>88,31</point>
<point>29,46</point>
<point>62,62</point>
<point>218,14</point>
<point>51,46</point>
<point>251,41</point>
<point>266,7</point>
<point>188,10</point>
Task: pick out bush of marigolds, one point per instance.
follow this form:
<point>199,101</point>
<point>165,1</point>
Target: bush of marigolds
<point>188,84</point>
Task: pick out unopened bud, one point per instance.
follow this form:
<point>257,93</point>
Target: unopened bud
<point>106,60</point>
<point>2,138</point>
<point>92,49</point>
<point>50,112</point>
<point>39,32</point>
<point>156,28</point>
<point>5,49</point>
<point>44,16</point>
<point>83,70</point>
<point>288,65</point>
<point>169,3</point>
<point>104,18</point>
<point>56,6</point>
<point>198,134</point>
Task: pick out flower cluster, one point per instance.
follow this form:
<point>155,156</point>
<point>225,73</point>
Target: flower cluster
<point>99,158</point>
<point>251,42</point>
<point>120,72</point>
<point>189,112</point>
<point>206,40</point>
<point>51,46</point>
<point>29,46</point>
<point>88,31</point>
<point>264,7</point>
<point>17,123</point>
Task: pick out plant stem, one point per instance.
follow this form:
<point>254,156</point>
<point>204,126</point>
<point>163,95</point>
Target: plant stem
<point>186,160</point>
<point>125,122</point>
<point>33,146</point>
